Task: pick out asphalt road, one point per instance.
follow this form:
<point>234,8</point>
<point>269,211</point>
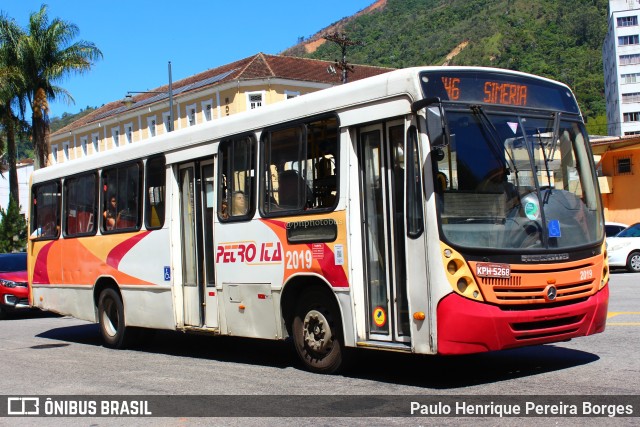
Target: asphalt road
<point>51,356</point>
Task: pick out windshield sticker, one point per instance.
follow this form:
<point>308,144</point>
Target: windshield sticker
<point>531,210</point>
<point>513,126</point>
<point>554,228</point>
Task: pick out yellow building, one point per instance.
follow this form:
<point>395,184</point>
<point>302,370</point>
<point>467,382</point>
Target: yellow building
<point>249,83</point>
<point>619,171</point>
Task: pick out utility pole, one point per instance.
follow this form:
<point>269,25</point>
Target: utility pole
<point>341,40</point>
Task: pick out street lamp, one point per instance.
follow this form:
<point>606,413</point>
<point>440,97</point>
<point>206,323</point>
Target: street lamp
<point>129,101</point>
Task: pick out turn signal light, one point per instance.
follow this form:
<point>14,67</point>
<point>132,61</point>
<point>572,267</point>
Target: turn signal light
<point>419,315</point>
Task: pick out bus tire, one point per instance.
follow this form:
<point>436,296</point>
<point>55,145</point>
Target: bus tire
<point>111,319</point>
<point>633,262</point>
<point>317,333</point>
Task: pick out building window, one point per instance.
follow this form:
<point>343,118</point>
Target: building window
<point>623,166</point>
<point>628,98</point>
<point>65,151</point>
<point>255,100</point>
<point>631,117</point>
<point>191,115</point>
<point>128,129</point>
<point>627,21</point>
<point>166,119</point>
<point>84,149</point>
<point>54,154</point>
<point>630,78</point>
<point>628,40</point>
<point>288,94</point>
<point>151,126</point>
<point>635,132</point>
<point>96,143</point>
<point>630,59</point>
<point>207,110</point>
<point>115,134</point>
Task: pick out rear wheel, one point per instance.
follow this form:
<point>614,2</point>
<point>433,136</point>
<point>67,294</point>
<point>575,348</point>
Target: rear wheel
<point>317,333</point>
<point>633,262</point>
<point>111,319</point>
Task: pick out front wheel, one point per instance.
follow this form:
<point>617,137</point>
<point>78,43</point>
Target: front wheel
<point>633,262</point>
<point>111,319</point>
<point>317,333</point>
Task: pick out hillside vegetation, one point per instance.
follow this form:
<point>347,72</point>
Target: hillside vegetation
<point>559,39</point>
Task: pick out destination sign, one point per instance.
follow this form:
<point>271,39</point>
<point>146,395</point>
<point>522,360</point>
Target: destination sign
<point>492,87</point>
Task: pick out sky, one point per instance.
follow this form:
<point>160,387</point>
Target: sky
<point>139,37</point>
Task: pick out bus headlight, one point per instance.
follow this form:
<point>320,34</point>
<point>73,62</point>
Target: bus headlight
<point>459,275</point>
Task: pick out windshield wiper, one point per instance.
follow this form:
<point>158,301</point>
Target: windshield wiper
<point>494,136</point>
<point>552,150</point>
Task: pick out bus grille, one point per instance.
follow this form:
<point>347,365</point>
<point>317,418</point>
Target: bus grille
<point>529,284</point>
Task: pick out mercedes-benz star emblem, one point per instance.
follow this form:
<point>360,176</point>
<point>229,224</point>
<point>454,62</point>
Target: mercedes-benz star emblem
<point>552,292</point>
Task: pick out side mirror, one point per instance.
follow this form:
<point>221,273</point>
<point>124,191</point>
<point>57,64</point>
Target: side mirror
<point>437,127</point>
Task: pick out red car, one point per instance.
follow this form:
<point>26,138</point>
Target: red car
<point>14,293</point>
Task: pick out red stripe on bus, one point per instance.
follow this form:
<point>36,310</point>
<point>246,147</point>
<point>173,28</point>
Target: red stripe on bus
<point>117,253</point>
<point>333,273</point>
<point>40,272</point>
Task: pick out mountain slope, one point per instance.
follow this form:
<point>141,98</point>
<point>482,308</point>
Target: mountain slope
<point>559,39</point>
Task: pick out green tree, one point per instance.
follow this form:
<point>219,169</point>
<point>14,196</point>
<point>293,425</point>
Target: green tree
<point>12,95</point>
<point>13,229</point>
<point>47,56</point>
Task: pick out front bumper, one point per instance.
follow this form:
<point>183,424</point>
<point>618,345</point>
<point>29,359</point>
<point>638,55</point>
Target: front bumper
<point>466,326</point>
<point>16,299</point>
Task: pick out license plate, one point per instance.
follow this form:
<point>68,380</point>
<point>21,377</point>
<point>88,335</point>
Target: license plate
<point>487,269</point>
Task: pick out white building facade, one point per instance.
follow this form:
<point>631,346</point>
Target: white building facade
<point>621,61</point>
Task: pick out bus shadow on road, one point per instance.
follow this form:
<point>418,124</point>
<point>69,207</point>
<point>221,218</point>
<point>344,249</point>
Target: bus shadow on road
<point>451,372</point>
<point>436,372</point>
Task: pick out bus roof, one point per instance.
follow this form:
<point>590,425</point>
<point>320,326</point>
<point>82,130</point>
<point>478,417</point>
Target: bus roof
<point>398,83</point>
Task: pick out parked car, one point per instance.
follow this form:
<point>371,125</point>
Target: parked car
<point>624,249</point>
<point>613,228</point>
<point>14,293</point>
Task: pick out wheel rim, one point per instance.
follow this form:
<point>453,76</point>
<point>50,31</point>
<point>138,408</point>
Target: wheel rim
<point>635,262</point>
<point>317,333</point>
<point>110,318</point>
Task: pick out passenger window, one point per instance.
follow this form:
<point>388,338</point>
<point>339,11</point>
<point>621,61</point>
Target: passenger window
<point>121,195</point>
<point>45,212</point>
<point>80,205</point>
<point>236,182</point>
<point>301,168</point>
<point>155,190</point>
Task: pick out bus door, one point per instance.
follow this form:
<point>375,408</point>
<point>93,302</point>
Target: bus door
<point>382,181</point>
<point>196,235</point>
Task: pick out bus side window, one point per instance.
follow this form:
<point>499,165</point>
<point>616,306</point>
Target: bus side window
<point>80,205</point>
<point>301,167</point>
<point>236,181</point>
<point>121,195</point>
<point>45,218</point>
<point>154,210</point>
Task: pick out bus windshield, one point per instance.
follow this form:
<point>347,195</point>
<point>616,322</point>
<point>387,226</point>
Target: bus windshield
<point>516,180</point>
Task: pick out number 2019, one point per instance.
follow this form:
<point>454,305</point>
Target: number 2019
<point>301,259</point>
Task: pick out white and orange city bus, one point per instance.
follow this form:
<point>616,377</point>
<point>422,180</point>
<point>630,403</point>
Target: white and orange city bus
<point>427,210</point>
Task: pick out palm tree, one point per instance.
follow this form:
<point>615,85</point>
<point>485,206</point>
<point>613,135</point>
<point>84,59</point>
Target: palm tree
<point>46,57</point>
<point>12,91</point>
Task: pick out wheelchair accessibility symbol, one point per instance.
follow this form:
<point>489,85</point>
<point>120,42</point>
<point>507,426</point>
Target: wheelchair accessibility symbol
<point>167,273</point>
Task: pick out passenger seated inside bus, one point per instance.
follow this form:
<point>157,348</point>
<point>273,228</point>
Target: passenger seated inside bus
<point>239,204</point>
<point>111,214</point>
